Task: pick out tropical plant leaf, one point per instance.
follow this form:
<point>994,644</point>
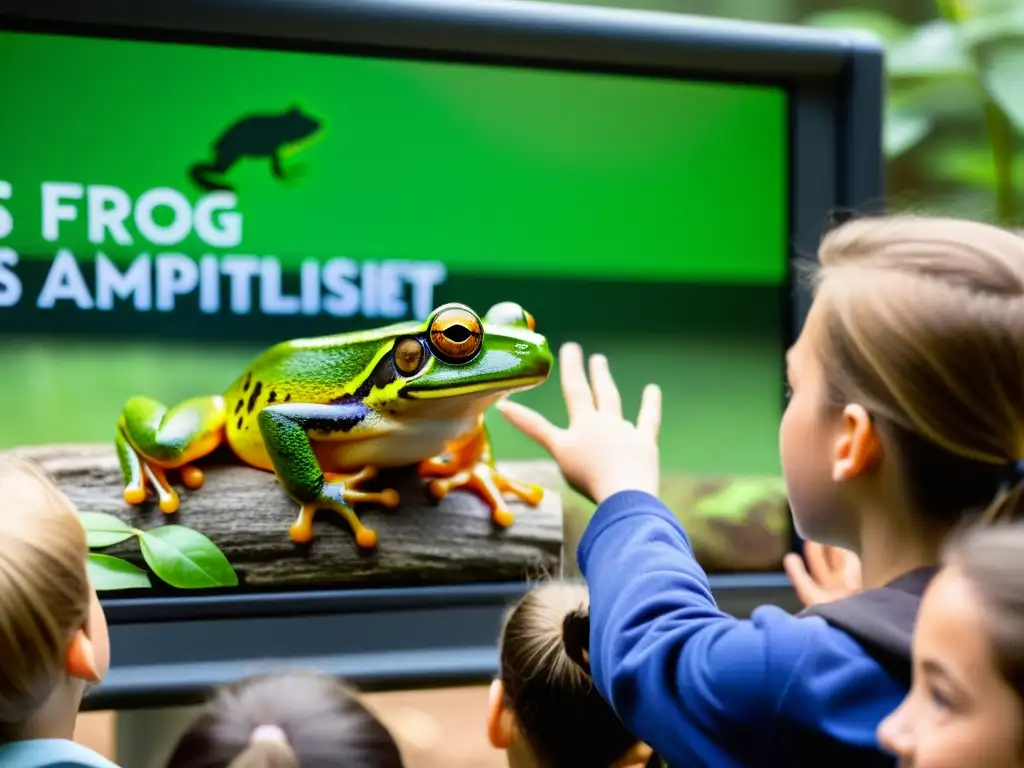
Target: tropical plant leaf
<point>971,166</point>
<point>103,530</point>
<point>108,573</point>
<point>904,130</point>
<point>933,50</point>
<point>888,28</point>
<point>185,558</point>
<point>996,43</point>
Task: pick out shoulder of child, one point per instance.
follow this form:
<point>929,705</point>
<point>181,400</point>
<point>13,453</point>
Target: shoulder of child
<point>51,753</point>
<point>881,620</point>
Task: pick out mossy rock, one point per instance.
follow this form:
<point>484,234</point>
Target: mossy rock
<point>736,523</point>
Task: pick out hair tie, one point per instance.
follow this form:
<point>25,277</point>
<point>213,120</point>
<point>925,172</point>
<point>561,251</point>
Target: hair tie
<point>268,733</point>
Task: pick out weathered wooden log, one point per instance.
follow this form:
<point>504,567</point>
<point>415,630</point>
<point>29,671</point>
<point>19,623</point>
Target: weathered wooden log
<point>246,513</point>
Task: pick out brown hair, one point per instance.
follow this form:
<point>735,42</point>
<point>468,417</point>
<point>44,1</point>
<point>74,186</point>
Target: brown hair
<point>923,319</point>
<point>322,721</point>
<point>992,561</point>
<point>544,671</point>
<point>44,588</point>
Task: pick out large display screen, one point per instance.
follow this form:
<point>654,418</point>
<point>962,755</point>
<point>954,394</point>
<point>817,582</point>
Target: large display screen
<point>168,211</point>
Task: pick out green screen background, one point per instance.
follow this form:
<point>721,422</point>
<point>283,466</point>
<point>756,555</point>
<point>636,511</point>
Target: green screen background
<point>645,218</point>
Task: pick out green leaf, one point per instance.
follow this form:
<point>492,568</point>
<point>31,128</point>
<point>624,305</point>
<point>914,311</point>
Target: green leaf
<point>934,50</point>
<point>997,45</point>
<point>185,558</point>
<point>970,166</point>
<point>107,573</point>
<point>904,130</point>
<point>888,28</point>
<point>103,530</point>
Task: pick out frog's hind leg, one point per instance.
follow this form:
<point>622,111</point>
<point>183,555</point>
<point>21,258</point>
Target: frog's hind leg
<point>201,172</point>
<point>469,463</point>
<point>286,430</point>
<point>152,439</point>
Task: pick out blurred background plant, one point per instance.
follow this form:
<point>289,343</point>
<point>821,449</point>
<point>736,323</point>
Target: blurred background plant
<point>955,98</point>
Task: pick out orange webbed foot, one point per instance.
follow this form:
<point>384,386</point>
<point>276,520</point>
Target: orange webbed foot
<point>339,492</point>
<point>489,484</point>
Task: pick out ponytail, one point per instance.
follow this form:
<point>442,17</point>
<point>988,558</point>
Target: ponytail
<point>545,671</point>
<point>576,637</point>
<point>268,748</point>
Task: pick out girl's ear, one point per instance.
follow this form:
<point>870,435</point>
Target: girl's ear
<point>499,718</point>
<point>80,661</point>
<point>857,448</point>
<point>637,755</point>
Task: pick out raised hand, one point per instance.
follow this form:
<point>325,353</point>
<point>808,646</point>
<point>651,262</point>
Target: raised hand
<point>600,452</point>
<point>830,573</point>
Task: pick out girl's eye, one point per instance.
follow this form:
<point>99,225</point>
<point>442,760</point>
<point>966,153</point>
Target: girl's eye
<point>938,698</point>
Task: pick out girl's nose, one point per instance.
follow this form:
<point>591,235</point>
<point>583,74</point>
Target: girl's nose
<point>895,734</point>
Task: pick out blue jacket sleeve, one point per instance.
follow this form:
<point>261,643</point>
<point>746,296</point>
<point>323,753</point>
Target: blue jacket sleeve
<point>696,684</point>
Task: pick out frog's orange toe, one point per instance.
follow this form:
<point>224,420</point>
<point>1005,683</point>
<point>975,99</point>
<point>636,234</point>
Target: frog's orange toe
<point>192,477</point>
<point>366,538</point>
<point>301,531</point>
<point>438,488</point>
<point>134,496</point>
<point>169,505</point>
<point>389,498</point>
<point>503,517</point>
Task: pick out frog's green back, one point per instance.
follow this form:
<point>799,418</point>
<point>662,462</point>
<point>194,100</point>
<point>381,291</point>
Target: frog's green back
<point>317,369</point>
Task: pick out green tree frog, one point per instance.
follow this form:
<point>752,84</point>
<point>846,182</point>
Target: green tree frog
<point>324,414</point>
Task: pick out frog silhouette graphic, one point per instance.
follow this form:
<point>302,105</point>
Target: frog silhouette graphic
<point>269,136</point>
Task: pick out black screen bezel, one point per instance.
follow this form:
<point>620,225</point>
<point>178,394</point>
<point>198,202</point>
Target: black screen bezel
<point>391,638</point>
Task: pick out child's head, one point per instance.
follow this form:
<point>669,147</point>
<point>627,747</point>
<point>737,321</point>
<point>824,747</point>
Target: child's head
<point>294,720</point>
<point>965,706</point>
<point>906,379</point>
<point>53,635</point>
<point>545,710</point>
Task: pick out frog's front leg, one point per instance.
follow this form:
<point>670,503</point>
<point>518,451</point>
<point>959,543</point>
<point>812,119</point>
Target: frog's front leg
<point>286,430</point>
<point>152,438</point>
<point>469,462</point>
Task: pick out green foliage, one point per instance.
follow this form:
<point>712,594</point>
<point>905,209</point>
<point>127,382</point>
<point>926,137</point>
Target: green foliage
<point>179,556</point>
<point>103,530</point>
<point>953,81</point>
<point>108,572</point>
<point>185,558</point>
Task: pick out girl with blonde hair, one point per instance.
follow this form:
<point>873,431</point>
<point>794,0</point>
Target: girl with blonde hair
<point>905,419</point>
<point>53,635</point>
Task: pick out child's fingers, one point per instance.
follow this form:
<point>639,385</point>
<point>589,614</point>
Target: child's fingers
<point>817,564</point>
<point>852,573</point>
<point>606,394</point>
<point>575,387</point>
<point>648,420</point>
<point>807,590</point>
<point>530,423</point>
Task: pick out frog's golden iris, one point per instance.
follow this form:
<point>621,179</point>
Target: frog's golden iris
<point>325,413</point>
<point>456,334</point>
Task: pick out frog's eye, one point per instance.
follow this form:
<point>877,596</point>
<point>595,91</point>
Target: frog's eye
<point>408,355</point>
<point>530,322</point>
<point>456,334</point>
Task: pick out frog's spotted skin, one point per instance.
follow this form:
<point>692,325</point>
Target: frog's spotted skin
<point>325,413</point>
